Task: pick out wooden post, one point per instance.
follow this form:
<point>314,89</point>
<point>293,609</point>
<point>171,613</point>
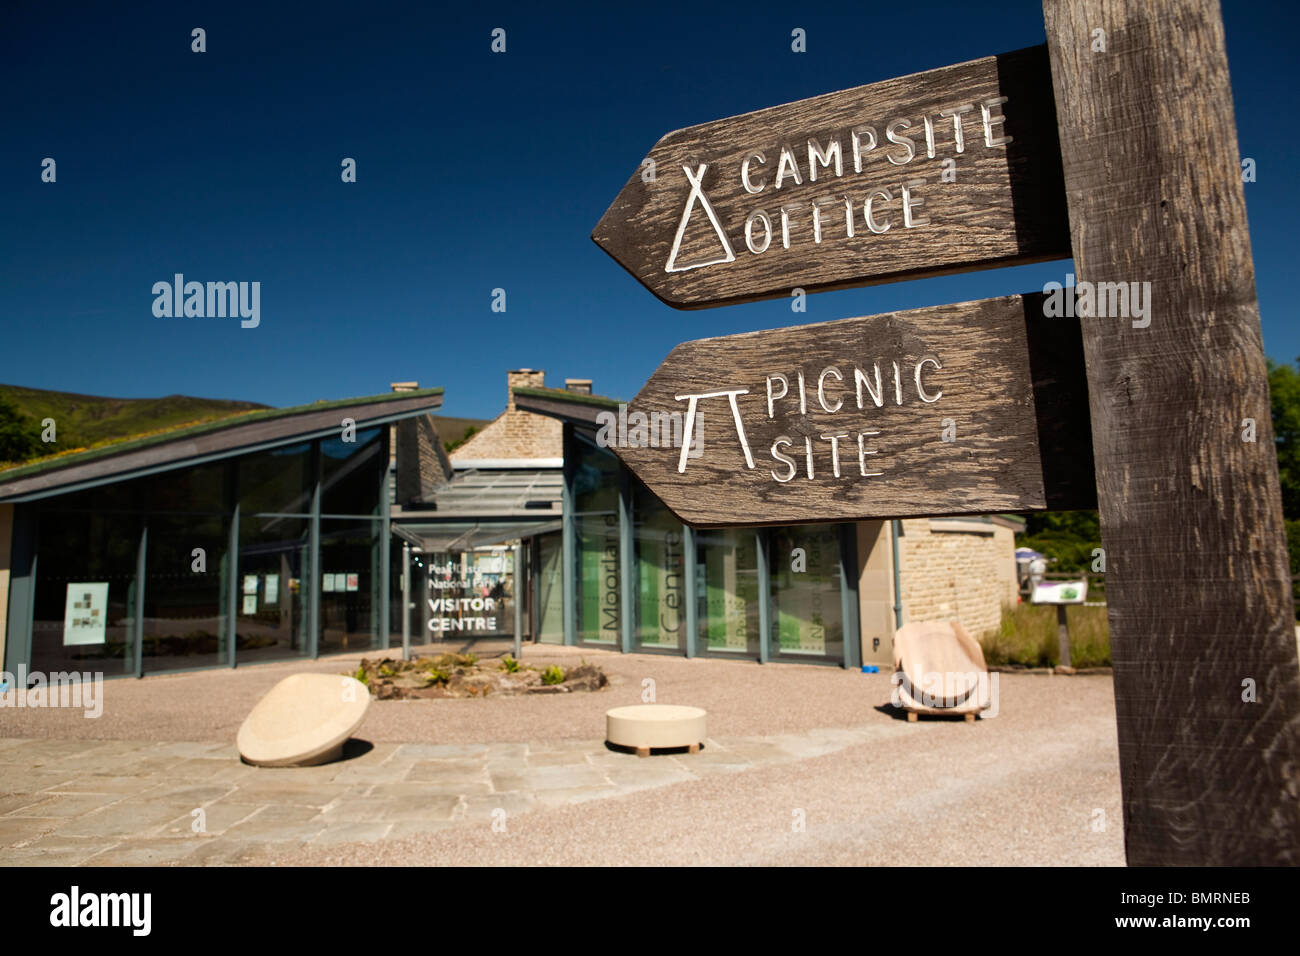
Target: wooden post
<point>1207,688</point>
<point>1062,637</point>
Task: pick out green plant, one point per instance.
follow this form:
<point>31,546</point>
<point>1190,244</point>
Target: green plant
<point>510,665</point>
<point>1027,637</point>
<point>362,676</point>
<point>554,674</point>
<point>450,660</point>
<point>386,671</point>
<point>436,675</point>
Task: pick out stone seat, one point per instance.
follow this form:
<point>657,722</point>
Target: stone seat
<point>939,669</point>
<point>304,720</point>
<point>643,727</point>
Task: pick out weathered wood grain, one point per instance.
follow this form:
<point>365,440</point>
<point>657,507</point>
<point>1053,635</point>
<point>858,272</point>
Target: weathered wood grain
<point>1007,380</point>
<point>1198,584</point>
<point>1002,204</point>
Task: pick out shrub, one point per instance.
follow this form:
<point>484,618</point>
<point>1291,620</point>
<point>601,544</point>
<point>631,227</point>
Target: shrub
<point>554,674</point>
<point>510,665</point>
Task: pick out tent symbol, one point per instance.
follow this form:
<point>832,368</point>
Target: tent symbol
<point>697,193</point>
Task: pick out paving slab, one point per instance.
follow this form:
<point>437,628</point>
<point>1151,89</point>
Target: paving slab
<point>549,778</point>
<point>67,805</point>
<point>18,831</point>
<point>159,852</point>
<point>216,818</point>
<point>108,783</point>
<point>124,819</point>
<point>389,809</point>
<point>17,801</point>
<point>441,751</point>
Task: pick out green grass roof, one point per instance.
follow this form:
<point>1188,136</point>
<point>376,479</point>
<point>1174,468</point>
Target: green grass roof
<point>115,447</point>
<point>564,395</point>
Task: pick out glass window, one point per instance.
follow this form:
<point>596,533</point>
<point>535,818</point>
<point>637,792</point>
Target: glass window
<point>349,579</point>
<point>807,617</point>
<point>122,497</point>
<point>85,600</point>
<point>599,591</point>
<point>550,589</point>
<point>468,594</point>
<point>595,479</point>
<point>351,473</point>
<point>184,608</point>
<point>200,489</point>
<point>274,558</point>
<point>279,481</point>
<point>660,569</point>
<point>727,591</point>
<point>396,555</point>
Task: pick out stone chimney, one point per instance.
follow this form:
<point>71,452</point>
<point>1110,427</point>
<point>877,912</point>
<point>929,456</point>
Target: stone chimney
<point>522,378</point>
<point>580,385</point>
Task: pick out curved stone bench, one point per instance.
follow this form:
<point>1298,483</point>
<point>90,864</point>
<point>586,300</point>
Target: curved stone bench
<point>939,669</point>
<point>304,720</point>
<point>646,727</point>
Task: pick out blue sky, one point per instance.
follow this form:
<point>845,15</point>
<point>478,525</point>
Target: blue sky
<point>474,171</point>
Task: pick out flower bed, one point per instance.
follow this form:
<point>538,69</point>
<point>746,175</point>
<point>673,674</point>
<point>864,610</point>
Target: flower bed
<point>464,675</point>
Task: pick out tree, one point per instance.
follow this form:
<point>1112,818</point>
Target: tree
<point>1284,390</point>
<point>20,436</point>
<point>1284,394</point>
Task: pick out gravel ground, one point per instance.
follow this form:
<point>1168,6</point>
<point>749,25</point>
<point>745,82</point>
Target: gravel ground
<point>1022,788</point>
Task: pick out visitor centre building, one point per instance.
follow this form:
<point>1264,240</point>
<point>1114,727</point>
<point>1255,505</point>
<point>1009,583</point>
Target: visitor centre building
<point>348,527</point>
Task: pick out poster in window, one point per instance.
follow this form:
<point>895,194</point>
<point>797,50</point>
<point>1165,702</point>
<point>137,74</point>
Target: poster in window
<point>352,581</point>
<point>271,594</point>
<point>85,613</point>
<point>250,583</point>
<point>250,603</point>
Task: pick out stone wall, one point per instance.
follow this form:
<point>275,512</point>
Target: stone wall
<point>962,575</point>
<point>422,463</point>
<point>515,433</point>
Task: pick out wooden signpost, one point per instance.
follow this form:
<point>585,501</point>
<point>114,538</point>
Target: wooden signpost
<point>938,172</point>
<point>955,409</point>
<point>1130,108</point>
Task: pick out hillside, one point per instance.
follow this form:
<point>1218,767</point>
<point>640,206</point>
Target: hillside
<point>85,420</point>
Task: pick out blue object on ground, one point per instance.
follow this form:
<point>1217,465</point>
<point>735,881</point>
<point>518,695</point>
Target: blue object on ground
<point>871,668</point>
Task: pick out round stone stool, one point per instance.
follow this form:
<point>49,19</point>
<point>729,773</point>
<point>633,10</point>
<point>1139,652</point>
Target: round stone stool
<point>646,727</point>
<point>304,720</point>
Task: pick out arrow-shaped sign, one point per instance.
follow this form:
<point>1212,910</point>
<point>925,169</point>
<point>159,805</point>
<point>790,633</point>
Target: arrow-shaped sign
<point>952,169</point>
<point>957,409</point>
